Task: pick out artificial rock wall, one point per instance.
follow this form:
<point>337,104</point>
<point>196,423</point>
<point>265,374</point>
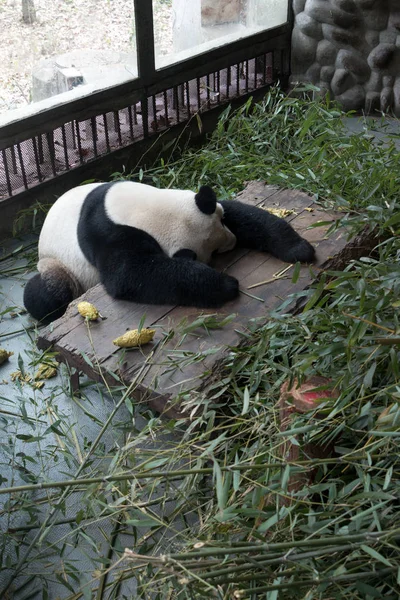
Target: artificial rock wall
<point>350,48</point>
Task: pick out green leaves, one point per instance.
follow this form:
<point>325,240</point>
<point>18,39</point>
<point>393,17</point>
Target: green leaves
<point>296,143</point>
<point>337,533</point>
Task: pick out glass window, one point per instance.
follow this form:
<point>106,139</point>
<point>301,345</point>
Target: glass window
<point>63,49</point>
<point>183,28</point>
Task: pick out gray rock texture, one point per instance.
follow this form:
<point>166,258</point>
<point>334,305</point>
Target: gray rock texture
<point>349,49</point>
<point>52,76</point>
<point>326,53</point>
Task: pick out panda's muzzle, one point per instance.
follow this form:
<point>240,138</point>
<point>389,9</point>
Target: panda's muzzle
<point>229,242</point>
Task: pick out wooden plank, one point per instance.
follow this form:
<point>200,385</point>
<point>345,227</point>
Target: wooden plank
<point>182,362</point>
<point>251,269</point>
<point>91,350</point>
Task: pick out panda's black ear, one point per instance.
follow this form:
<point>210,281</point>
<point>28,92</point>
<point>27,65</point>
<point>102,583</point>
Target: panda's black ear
<point>206,200</point>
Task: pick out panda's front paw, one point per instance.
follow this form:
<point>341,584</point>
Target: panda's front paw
<point>301,251</point>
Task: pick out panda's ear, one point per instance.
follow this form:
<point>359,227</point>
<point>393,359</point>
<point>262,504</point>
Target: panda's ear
<point>206,200</point>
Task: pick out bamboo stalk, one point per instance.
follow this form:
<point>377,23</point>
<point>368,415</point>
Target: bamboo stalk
<point>104,575</point>
<point>76,443</point>
<point>23,330</point>
<point>23,528</point>
<point>368,322</point>
<point>252,295</point>
<point>178,473</point>
<point>319,543</point>
<point>52,419</point>
<point>271,280</point>
<point>260,562</point>
<point>19,416</point>
<point>314,582</point>
<point>278,275</point>
<point>389,341</point>
<point>15,252</point>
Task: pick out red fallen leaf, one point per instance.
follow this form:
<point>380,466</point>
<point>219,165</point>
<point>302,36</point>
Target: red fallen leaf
<point>306,396</point>
<point>312,396</point>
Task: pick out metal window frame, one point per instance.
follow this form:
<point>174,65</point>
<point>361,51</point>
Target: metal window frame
<point>150,80</point>
<point>37,129</point>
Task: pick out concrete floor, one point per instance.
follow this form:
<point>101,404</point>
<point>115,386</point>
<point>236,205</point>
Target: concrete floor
<point>26,413</point>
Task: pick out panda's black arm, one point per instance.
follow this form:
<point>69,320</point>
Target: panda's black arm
<point>158,279</point>
<point>258,229</point>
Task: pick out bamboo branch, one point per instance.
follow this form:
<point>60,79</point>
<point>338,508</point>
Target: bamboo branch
<point>172,474</point>
<point>333,540</point>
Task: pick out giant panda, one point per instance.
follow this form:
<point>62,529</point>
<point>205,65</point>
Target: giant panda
<point>148,245</point>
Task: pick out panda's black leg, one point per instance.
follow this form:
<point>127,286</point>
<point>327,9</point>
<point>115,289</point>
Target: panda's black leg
<point>158,279</point>
<point>47,295</point>
<point>258,229</point>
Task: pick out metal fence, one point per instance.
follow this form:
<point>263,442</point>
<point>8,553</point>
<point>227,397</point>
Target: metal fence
<point>45,145</point>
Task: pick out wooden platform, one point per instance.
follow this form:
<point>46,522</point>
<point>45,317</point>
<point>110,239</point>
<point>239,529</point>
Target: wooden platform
<point>181,358</point>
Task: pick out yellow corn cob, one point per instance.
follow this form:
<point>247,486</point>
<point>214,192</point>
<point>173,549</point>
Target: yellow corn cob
<point>4,355</point>
<point>133,338</point>
<point>88,311</point>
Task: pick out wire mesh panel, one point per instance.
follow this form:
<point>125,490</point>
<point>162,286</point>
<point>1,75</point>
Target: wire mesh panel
<point>76,142</point>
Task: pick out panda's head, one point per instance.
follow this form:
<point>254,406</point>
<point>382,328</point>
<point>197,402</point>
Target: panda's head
<point>211,233</point>
<point>177,219</point>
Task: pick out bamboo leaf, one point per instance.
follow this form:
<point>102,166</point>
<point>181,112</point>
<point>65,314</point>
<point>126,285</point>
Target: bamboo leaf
<point>246,400</point>
<point>219,486</point>
<point>388,478</point>
<point>296,272</point>
<point>141,323</point>
<point>375,554</point>
<point>285,477</point>
<point>236,475</point>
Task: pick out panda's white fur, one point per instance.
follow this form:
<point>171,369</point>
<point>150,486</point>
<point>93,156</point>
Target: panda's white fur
<point>59,238</point>
<point>170,216</point>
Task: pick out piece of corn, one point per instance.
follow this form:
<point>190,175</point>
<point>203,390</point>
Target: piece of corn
<point>19,376</point>
<point>4,355</point>
<point>133,338</point>
<point>46,371</point>
<point>88,311</point>
<point>279,212</point>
